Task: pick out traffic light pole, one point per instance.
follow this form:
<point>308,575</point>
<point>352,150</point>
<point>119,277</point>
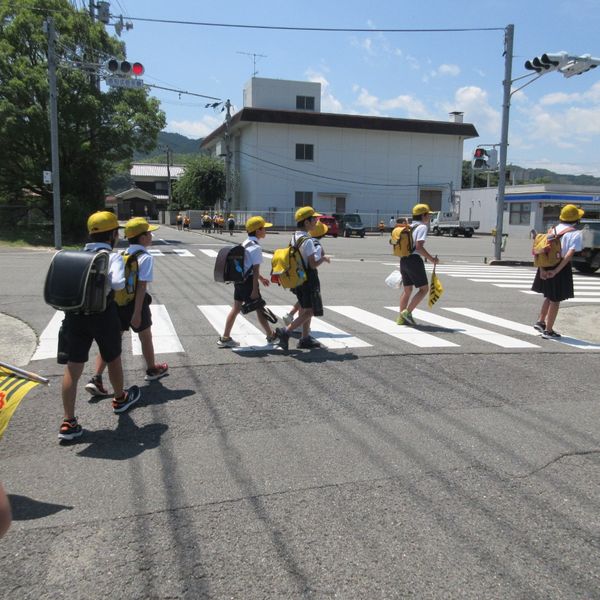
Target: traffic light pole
<point>508,56</point>
<point>228,204</point>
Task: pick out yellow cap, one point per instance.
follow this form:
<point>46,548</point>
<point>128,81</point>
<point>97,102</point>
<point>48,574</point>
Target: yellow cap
<point>103,220</point>
<point>570,213</point>
<point>320,230</point>
<point>254,223</point>
<point>305,213</point>
<point>136,226</point>
<point>421,209</point>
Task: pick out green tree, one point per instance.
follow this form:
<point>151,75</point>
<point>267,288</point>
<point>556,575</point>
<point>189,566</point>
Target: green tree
<point>96,129</point>
<point>203,183</point>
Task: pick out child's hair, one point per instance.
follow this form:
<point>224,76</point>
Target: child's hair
<point>418,217</point>
<point>402,221</point>
<point>136,239</point>
<point>102,236</point>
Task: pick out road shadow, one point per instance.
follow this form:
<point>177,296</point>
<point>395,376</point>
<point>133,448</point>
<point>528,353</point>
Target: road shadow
<point>25,508</point>
<point>153,393</point>
<point>125,442</point>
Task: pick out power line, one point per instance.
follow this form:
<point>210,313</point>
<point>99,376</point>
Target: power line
<point>318,29</point>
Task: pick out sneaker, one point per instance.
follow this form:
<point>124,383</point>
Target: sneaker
<point>409,318</point>
<point>400,320</point>
<point>95,387</point>
<point>157,372</point>
<point>227,342</point>
<point>309,343</point>
<point>540,326</point>
<point>272,339</point>
<point>131,396</point>
<point>287,318</point>
<point>70,429</point>
<point>284,338</point>
<point>550,334</point>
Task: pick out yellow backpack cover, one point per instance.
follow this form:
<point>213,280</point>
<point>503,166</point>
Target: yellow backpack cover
<point>402,241</point>
<point>126,295</point>
<point>547,251</point>
<point>287,266</point>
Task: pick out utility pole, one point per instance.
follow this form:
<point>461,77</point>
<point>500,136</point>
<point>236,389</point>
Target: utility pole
<point>169,187</point>
<point>49,27</point>
<point>227,205</point>
<point>508,56</point>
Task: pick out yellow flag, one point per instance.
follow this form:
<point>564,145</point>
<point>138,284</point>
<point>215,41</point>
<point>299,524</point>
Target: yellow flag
<point>13,388</point>
<point>435,290</point>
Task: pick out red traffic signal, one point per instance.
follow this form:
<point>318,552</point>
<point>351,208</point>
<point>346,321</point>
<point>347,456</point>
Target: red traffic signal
<point>137,69</point>
<point>479,153</point>
<point>124,67</point>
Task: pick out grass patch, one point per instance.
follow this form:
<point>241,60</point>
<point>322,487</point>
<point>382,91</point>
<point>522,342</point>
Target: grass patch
<point>31,237</point>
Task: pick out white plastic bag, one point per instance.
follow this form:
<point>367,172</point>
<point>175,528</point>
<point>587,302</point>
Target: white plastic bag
<point>394,280</point>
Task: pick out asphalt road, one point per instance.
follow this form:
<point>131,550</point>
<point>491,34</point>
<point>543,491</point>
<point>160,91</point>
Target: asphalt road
<point>464,467</point>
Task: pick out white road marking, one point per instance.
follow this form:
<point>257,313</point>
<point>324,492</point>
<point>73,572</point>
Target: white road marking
<point>211,253</point>
<point>164,336</point>
<point>485,335</point>
<point>155,252</point>
<point>182,252</point>
<point>48,343</point>
<point>389,327</point>
<point>329,335</point>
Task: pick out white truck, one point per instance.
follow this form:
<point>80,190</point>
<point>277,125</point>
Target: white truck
<point>588,260</point>
<point>447,222</point>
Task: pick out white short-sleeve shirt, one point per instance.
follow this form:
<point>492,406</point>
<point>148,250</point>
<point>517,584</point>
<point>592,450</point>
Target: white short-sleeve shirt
<point>570,240</point>
<point>307,248</point>
<point>145,262</point>
<point>419,233</point>
<point>253,255</point>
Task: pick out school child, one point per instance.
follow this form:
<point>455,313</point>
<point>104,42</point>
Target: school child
<point>179,220</point>
<point>556,283</point>
<point>231,224</point>
<point>309,293</point>
<point>412,267</point>
<point>186,223</point>
<point>248,289</point>
<point>137,313</point>
<point>381,227</point>
<point>317,233</point>
<point>81,330</point>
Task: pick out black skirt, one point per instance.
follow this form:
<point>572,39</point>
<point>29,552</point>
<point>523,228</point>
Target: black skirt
<point>556,289</point>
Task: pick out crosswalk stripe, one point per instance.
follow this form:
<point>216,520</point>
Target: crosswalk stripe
<point>577,298</point>
<point>164,336</point>
<point>249,337</point>
<point>520,327</point>
<point>155,252</point>
<point>588,300</point>
<point>329,335</point>
<point>182,252</point>
<point>485,335</point>
<point>387,326</point>
<point>524,284</point>
<point>49,339</point>
<point>211,253</point>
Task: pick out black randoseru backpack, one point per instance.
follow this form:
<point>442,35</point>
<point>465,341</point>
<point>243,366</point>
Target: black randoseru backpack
<point>229,264</point>
<point>78,281</point>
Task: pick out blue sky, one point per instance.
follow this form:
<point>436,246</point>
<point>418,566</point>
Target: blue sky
<point>554,122</point>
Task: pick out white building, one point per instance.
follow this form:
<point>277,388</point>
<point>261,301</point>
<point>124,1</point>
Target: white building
<point>286,153</point>
<point>526,207</point>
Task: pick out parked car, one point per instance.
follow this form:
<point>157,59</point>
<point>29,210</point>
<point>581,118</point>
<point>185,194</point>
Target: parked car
<point>331,223</point>
<point>588,260</point>
<point>351,224</point>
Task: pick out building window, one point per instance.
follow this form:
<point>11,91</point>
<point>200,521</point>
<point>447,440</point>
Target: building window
<point>520,213</point>
<point>303,199</point>
<point>305,102</point>
<point>305,151</point>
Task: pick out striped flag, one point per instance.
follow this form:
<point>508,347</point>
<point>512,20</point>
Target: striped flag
<point>14,386</point>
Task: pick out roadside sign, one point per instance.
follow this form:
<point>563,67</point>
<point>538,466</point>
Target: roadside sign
<point>124,82</point>
<point>47,177</point>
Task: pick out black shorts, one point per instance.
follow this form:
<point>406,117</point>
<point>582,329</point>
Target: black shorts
<point>82,330</point>
<point>243,290</point>
<point>413,271</point>
<point>558,288</point>
<point>126,313</point>
<point>304,292</point>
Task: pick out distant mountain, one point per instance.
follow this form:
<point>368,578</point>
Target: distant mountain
<point>179,144</point>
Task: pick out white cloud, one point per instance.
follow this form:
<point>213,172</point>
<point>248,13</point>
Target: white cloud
<point>329,103</point>
<point>473,101</point>
<point>452,70</point>
<point>409,106</point>
<point>195,129</point>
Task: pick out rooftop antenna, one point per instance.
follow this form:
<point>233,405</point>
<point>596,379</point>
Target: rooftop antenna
<point>253,55</point>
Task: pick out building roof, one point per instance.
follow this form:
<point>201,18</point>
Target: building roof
<point>135,193</point>
<point>155,170</point>
<point>294,117</point>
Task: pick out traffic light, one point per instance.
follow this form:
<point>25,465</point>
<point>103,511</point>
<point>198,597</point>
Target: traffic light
<point>547,62</point>
<point>493,159</point>
<point>124,67</point>
<point>480,159</point>
<point>580,65</point>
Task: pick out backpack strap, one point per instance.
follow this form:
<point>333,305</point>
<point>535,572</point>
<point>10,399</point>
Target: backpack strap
<point>296,245</point>
<point>248,242</point>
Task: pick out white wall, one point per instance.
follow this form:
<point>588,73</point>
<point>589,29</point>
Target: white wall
<point>279,94</point>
